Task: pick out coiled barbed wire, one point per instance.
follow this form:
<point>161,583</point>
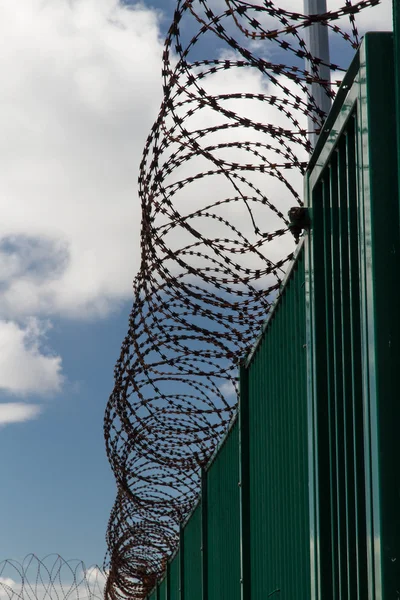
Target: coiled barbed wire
<point>222,165</point>
<point>51,578</point>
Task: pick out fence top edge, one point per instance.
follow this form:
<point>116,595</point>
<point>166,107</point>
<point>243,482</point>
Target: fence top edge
<point>190,515</point>
<point>343,90</point>
<point>275,305</point>
<point>205,470</point>
<point>219,446</point>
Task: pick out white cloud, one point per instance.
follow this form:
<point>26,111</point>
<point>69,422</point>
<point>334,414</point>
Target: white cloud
<point>17,412</point>
<point>24,366</point>
<point>378,18</point>
<point>227,389</point>
<point>7,588</point>
<point>7,581</point>
<point>95,578</point>
<point>34,580</point>
<point>374,18</point>
<point>83,87</point>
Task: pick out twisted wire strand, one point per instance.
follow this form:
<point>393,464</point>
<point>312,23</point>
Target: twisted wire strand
<point>217,179</point>
<point>51,578</point>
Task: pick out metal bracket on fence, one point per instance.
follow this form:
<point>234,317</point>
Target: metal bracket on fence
<point>299,219</point>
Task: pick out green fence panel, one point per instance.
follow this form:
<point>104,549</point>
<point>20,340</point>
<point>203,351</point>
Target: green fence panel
<point>192,557</point>
<point>302,498</point>
<point>223,526</point>
<point>354,318</point>
<point>162,590</point>
<point>153,595</point>
<point>278,449</point>
<point>174,577</point>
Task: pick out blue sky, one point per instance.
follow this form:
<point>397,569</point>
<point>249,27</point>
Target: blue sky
<point>80,97</point>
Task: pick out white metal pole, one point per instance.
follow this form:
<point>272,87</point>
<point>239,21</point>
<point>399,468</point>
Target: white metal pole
<point>318,45</point>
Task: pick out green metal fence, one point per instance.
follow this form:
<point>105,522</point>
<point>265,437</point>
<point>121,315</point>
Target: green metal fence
<point>250,530</point>
<point>353,252</point>
<point>191,549</point>
<point>274,401</point>
<point>223,524</point>
<point>207,564</point>
<point>162,590</point>
<point>174,578</point>
<point>302,499</point>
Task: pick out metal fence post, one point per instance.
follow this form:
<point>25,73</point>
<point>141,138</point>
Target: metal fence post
<point>318,46</point>
<point>396,33</point>
<point>204,535</point>
<point>168,582</point>
<point>311,409</point>
<point>181,565</point>
<point>244,483</point>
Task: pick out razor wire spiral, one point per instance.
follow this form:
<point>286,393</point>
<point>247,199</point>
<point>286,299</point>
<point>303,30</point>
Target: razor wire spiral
<point>52,578</point>
<point>216,182</point>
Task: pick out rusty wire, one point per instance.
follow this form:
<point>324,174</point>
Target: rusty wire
<point>216,182</point>
<point>51,578</point>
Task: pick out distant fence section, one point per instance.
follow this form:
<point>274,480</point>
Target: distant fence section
<point>208,560</point>
<point>301,500</point>
<point>50,578</point>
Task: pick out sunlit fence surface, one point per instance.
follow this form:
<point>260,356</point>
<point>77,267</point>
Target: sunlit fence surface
<point>50,578</point>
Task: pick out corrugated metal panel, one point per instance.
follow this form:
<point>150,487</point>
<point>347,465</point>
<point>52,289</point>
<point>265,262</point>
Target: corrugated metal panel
<point>174,575</point>
<point>192,559</point>
<point>278,443</point>
<point>379,234</point>
<point>223,528</point>
<point>162,590</point>
<point>354,249</point>
<point>339,379</point>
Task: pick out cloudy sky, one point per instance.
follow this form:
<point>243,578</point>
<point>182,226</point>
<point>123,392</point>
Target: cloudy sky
<point>81,86</point>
